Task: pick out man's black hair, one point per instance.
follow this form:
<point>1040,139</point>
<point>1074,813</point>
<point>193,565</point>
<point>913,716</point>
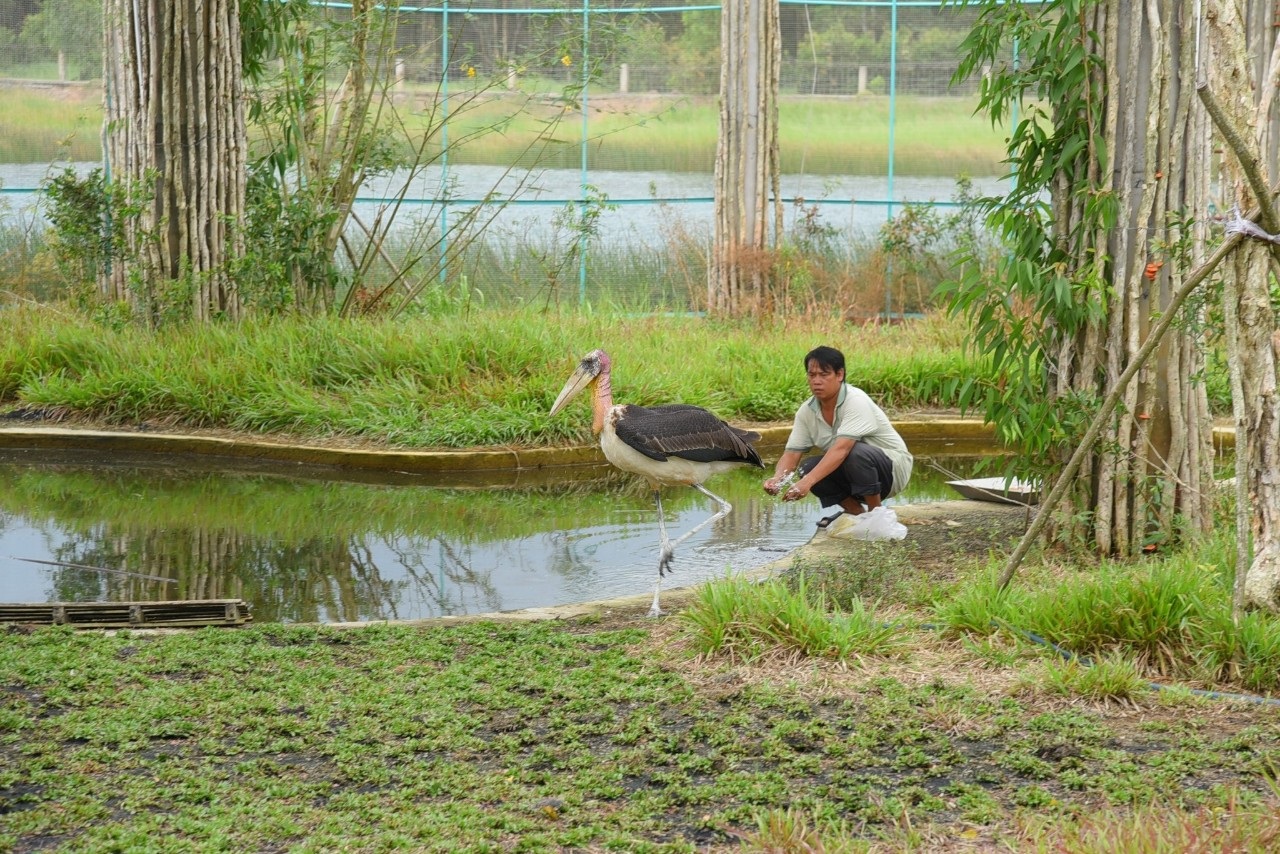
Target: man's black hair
<point>826,357</point>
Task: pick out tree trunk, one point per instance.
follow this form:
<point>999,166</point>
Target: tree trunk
<point>1242,72</point>
<point>1154,458</point>
<point>176,149</point>
<point>746,170</point>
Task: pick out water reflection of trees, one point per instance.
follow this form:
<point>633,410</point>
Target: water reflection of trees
<point>318,580</point>
<point>319,551</point>
<point>312,580</point>
<point>447,578</point>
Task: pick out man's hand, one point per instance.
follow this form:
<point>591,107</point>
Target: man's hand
<point>796,492</point>
<point>778,482</point>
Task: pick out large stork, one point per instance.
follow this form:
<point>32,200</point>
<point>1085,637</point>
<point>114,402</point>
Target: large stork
<point>666,445</point>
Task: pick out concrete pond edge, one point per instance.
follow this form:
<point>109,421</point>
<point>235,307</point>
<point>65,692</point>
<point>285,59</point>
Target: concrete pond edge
<point>492,459</point>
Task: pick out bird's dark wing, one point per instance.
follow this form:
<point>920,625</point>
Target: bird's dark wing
<point>685,431</point>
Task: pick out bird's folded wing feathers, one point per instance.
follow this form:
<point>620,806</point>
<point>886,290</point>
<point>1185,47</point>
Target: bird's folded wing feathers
<point>685,431</point>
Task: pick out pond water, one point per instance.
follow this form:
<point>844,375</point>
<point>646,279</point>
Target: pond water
<point>306,546</point>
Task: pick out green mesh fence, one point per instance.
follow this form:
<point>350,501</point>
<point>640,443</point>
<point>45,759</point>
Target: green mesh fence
<point>571,146</point>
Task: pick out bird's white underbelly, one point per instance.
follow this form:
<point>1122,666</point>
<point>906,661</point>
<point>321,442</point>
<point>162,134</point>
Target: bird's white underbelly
<point>672,470</point>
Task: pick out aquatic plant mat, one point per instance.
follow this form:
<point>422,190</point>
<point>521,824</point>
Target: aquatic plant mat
<point>124,615</point>
<point>598,735</point>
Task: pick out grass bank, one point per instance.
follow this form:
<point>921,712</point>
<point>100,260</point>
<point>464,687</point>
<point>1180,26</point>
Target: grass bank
<point>486,378</point>
<point>933,136</point>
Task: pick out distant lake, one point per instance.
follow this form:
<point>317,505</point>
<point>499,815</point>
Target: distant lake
<point>647,202</point>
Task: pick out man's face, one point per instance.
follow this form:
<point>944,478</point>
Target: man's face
<point>823,382</point>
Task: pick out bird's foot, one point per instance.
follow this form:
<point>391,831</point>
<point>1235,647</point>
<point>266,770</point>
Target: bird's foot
<point>655,611</point>
<point>664,562</point>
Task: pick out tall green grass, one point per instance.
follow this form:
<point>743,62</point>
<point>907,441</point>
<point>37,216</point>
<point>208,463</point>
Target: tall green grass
<point>743,620</point>
<point>1112,677</point>
<point>484,378</point>
<point>1171,618</point>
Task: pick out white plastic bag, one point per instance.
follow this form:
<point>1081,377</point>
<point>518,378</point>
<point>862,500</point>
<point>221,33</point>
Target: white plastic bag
<point>878,524</point>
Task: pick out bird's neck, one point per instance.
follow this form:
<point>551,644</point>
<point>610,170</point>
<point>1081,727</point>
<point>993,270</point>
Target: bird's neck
<point>602,402</point>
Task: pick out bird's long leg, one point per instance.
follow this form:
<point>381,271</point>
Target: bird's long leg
<point>669,546</point>
<point>665,550</point>
<point>725,509</point>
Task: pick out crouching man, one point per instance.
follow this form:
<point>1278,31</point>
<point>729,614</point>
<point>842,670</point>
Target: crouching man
<point>863,460</point>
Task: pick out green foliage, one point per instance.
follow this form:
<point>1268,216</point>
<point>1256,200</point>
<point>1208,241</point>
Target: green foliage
<point>285,237</point>
<point>87,238</point>
<point>692,55</point>
<point>833,42</point>
<point>72,28</point>
<point>926,244</point>
<point>314,150</point>
<point>1038,294</point>
<point>85,219</point>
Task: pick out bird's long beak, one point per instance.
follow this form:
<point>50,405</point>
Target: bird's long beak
<point>584,376</point>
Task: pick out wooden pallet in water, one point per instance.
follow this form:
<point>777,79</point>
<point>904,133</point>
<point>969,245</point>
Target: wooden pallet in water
<point>127,615</point>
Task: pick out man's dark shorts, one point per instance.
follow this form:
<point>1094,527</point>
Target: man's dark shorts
<point>866,471</point>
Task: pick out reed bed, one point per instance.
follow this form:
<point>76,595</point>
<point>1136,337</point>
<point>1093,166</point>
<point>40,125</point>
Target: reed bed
<point>257,506</point>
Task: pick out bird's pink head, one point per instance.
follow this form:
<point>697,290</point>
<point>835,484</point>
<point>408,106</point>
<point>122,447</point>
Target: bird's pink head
<point>599,361</point>
<point>593,367</point>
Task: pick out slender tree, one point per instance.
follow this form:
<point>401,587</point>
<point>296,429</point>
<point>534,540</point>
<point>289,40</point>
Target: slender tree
<point>175,145</point>
<point>1242,70</point>
<point>748,205</point>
